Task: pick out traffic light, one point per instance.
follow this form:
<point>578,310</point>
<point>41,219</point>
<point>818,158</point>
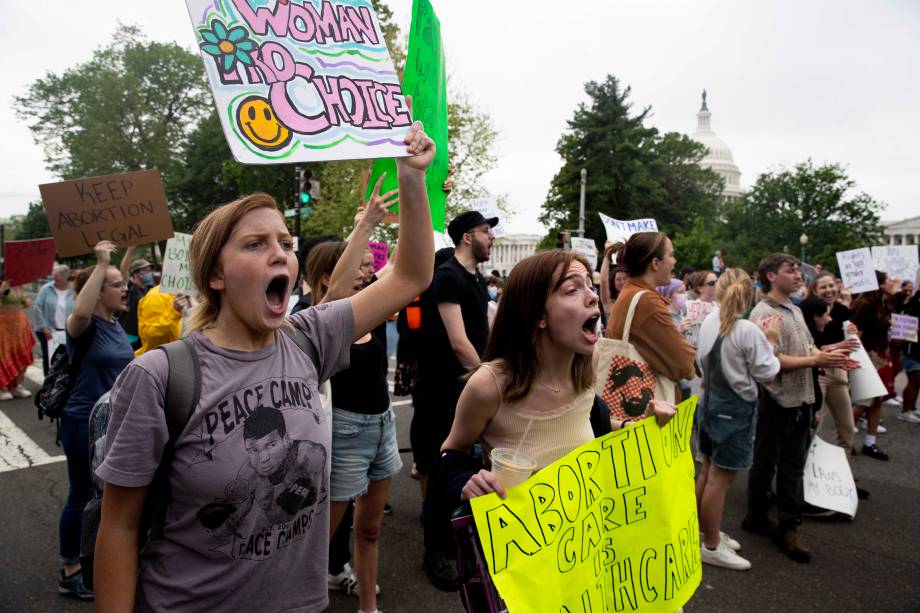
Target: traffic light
<point>305,197</point>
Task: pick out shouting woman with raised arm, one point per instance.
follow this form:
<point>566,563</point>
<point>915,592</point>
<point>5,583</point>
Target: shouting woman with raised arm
<point>248,518</point>
<point>99,350</point>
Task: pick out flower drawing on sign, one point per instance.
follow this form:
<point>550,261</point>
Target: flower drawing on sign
<point>227,46</point>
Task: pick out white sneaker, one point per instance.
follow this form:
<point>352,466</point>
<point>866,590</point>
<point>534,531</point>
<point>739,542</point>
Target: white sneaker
<point>21,392</point>
<point>5,395</point>
<point>881,429</point>
<point>724,539</point>
<point>909,416</point>
<point>893,402</point>
<point>346,581</point>
<point>723,557</point>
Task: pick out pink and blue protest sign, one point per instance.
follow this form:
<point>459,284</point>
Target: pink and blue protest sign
<point>301,81</point>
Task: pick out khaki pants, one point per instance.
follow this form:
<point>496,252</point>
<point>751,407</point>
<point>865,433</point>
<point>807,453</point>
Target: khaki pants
<point>835,389</point>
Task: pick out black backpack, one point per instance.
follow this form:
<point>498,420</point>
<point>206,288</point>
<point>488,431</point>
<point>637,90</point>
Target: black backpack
<point>183,391</point>
<point>62,374</point>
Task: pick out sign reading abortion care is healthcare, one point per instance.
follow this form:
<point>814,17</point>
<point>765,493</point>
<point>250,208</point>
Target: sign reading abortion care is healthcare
<point>127,209</point>
<point>176,277</point>
<point>301,80</point>
<point>620,231</point>
<point>611,526</point>
<point>857,270</point>
<point>28,260</point>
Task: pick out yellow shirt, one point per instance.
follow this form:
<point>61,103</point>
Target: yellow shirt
<point>158,322</point>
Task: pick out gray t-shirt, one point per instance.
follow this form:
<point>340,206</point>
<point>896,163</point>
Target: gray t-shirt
<point>248,525</point>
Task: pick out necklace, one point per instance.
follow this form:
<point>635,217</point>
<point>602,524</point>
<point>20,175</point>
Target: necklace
<point>555,390</point>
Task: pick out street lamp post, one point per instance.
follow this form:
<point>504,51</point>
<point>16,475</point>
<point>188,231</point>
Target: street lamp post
<point>803,240</point>
<point>581,203</point>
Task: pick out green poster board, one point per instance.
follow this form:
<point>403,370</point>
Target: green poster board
<point>425,80</point>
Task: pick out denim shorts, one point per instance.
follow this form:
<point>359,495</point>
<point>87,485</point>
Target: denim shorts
<point>909,364</point>
<point>727,435</point>
<point>364,449</point>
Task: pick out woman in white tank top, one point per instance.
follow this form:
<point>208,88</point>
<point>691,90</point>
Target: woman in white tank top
<point>537,377</point>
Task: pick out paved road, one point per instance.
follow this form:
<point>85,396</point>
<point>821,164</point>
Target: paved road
<point>869,564</point>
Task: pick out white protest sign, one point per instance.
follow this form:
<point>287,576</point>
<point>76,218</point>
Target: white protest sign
<point>620,231</point>
<point>899,261</point>
<point>177,278</point>
<point>857,270</point>
<point>298,81</point>
<point>587,248</point>
<point>904,328</point>
<point>58,338</point>
<point>828,481</point>
<point>442,241</point>
<point>865,383</point>
<point>488,206</point>
<point>697,311</point>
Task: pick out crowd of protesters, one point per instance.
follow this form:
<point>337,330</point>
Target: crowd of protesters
<point>290,446</point>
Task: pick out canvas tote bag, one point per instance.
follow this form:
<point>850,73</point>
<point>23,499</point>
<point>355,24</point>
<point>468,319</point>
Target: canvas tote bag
<point>623,379</point>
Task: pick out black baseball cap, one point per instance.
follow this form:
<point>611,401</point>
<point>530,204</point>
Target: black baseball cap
<point>462,223</point>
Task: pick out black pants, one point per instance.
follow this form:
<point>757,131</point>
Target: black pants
<point>440,404</point>
<point>780,448</point>
<point>339,552</point>
<point>43,342</point>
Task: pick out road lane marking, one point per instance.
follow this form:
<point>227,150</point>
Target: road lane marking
<point>17,450</point>
<point>401,403</point>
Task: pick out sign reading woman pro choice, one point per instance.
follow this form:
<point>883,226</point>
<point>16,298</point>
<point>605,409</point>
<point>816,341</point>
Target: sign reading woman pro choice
<point>301,80</point>
<point>612,526</point>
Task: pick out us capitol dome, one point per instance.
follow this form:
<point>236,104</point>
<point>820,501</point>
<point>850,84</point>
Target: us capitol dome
<point>718,157</point>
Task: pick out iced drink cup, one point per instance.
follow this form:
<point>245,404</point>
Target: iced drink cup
<point>511,466</point>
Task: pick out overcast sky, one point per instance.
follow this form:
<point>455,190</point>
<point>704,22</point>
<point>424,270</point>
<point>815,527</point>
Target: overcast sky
<point>834,80</point>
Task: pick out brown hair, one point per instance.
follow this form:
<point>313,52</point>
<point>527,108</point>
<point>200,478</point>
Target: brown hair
<point>813,284</point>
<point>735,294</point>
<point>635,256</point>
<point>772,263</point>
<point>514,335</point>
<point>210,236</point>
<point>698,278</point>
<point>322,261</point>
<point>83,276</point>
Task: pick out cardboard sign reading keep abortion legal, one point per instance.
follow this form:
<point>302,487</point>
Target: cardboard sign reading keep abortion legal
<point>127,209</point>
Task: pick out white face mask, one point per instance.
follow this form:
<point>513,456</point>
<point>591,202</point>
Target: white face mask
<point>493,293</point>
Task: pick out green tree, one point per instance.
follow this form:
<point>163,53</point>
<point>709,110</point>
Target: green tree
<point>696,247</point>
<point>131,106</point>
<point>633,170</point>
<point>819,201</point>
<point>34,224</point>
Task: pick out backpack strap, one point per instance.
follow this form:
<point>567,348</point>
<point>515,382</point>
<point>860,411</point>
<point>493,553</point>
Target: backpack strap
<point>301,340</point>
<point>183,391</point>
<point>629,315</point>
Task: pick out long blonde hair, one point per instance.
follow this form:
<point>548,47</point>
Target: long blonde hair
<point>735,294</point>
<point>210,236</point>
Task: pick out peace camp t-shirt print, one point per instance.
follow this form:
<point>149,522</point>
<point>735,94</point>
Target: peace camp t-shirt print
<point>247,526</point>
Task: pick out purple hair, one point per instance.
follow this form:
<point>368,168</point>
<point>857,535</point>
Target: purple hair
<point>667,290</point>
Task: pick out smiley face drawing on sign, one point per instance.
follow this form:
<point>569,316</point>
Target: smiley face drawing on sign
<point>260,126</point>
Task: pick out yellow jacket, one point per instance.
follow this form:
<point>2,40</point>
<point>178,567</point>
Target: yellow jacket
<point>158,322</point>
